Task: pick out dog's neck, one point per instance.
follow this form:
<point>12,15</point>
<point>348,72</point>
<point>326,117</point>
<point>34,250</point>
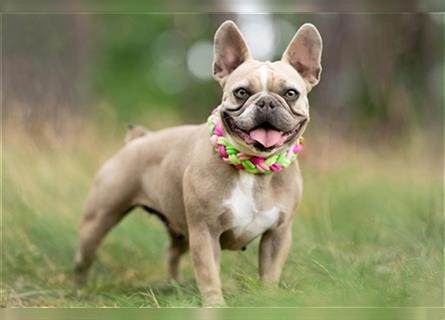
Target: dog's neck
<point>243,161</point>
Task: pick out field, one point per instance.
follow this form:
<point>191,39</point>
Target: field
<point>369,232</point>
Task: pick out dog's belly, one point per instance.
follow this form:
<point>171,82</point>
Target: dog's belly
<point>248,221</point>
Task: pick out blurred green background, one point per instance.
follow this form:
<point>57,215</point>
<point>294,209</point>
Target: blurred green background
<point>370,229</point>
<point>382,75</point>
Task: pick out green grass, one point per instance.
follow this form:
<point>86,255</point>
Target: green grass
<point>369,233</point>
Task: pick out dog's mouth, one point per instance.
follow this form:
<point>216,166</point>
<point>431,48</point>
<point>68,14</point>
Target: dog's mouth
<point>264,137</point>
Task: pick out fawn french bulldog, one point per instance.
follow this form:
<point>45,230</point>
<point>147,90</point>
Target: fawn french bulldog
<point>224,183</point>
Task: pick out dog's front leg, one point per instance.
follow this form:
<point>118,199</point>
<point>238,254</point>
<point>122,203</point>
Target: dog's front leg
<point>205,251</point>
<point>274,248</point>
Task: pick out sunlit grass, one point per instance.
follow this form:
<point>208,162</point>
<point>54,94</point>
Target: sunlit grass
<point>368,233</point>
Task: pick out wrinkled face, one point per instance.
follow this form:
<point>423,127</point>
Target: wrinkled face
<point>264,105</point>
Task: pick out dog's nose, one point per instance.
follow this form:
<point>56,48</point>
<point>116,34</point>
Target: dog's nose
<point>266,103</point>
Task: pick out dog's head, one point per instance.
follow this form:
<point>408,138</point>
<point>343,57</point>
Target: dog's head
<point>264,104</point>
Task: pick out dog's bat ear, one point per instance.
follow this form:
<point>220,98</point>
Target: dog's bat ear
<point>230,50</point>
<point>304,53</point>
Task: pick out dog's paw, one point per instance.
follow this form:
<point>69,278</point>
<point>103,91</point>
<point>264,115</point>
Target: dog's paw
<point>213,302</point>
<point>80,277</point>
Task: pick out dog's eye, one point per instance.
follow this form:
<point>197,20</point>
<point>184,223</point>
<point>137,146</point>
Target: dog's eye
<point>241,93</point>
<point>291,94</point>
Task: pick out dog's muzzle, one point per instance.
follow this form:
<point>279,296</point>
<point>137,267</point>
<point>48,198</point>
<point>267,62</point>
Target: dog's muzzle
<point>268,125</point>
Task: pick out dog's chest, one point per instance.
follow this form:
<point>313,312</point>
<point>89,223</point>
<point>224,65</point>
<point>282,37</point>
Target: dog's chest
<point>249,219</point>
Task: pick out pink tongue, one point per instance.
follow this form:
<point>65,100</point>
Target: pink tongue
<point>267,137</point>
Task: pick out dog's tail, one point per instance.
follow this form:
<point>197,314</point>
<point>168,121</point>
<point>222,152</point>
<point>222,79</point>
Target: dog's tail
<point>135,132</point>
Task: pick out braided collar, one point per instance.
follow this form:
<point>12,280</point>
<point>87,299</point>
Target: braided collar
<point>242,161</point>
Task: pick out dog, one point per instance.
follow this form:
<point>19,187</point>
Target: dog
<point>224,183</point>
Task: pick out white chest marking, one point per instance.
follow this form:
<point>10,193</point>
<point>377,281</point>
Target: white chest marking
<point>248,221</point>
<point>264,74</point>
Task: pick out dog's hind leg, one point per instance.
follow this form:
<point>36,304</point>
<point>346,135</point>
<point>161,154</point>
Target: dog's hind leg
<point>94,226</point>
<point>177,247</point>
<point>107,205</point>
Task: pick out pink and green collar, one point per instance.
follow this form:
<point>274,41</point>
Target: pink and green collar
<point>242,161</point>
